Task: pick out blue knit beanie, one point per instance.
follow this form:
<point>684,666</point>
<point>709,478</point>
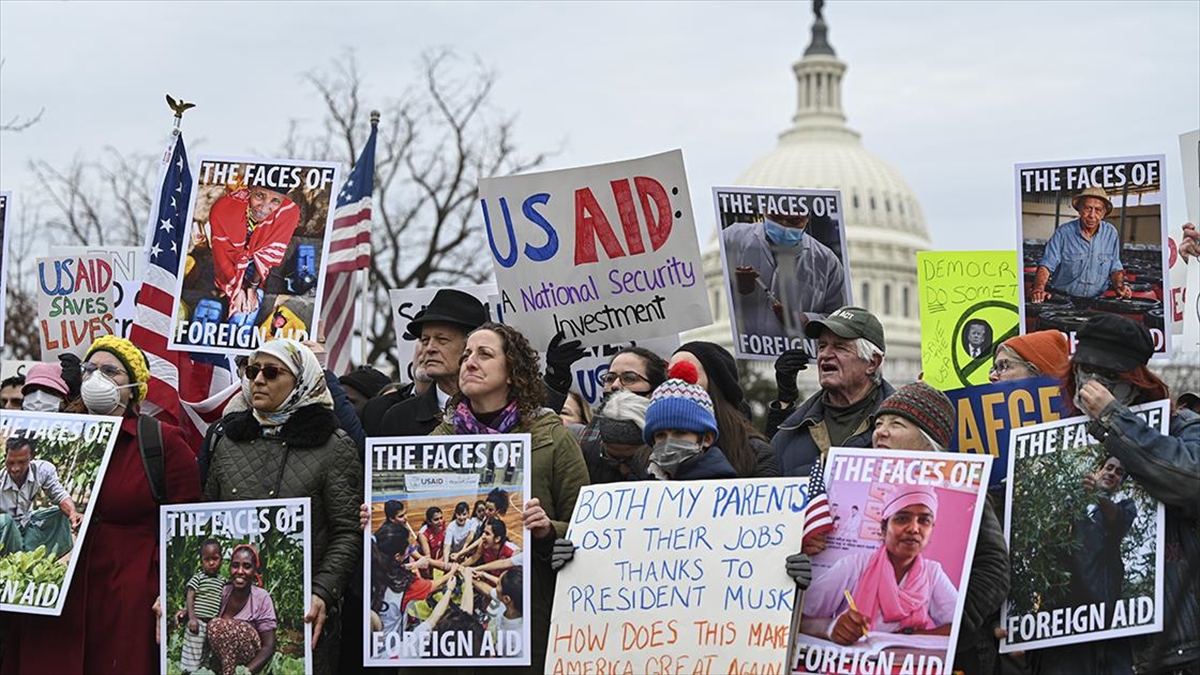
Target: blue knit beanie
<point>680,403</point>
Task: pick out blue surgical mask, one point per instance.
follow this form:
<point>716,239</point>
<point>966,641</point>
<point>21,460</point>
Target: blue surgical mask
<point>783,236</point>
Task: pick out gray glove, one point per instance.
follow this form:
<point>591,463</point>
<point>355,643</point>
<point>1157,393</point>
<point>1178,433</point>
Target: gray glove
<point>563,553</point>
<point>799,568</point>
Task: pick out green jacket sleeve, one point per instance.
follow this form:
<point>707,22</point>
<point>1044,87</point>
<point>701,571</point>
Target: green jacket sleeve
<point>570,474</point>
<point>342,495</point>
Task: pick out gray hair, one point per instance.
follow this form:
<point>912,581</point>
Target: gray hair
<point>626,406</point>
<point>933,445</point>
<point>867,351</point>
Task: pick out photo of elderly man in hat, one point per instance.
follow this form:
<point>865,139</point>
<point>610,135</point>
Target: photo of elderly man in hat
<point>1083,257</point>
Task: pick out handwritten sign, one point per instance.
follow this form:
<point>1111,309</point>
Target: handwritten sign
<point>1130,245</point>
<point>678,577</point>
<point>604,253</point>
<point>587,372</point>
<point>1085,540</point>
<point>75,302</point>
<point>891,507</point>
<point>42,536</point>
<point>129,264</point>
<point>968,303</point>
<point>784,258</point>
<point>988,412</point>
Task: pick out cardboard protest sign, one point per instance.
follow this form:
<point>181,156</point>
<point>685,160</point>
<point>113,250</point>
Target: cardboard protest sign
<point>5,198</point>
<point>892,507</point>
<point>1087,228</point>
<point>988,412</point>
<point>1185,251</point>
<point>968,303</point>
<point>129,265</point>
<point>48,519</point>
<point>75,302</point>
<point>603,253</point>
<point>678,577</point>
<point>217,555</point>
<point>1084,540</point>
<point>444,587</point>
<point>258,240</point>
<point>406,302</point>
<point>784,257</point>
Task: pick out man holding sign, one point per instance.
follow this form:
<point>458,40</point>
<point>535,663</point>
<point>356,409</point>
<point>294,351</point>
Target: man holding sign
<point>1083,255</point>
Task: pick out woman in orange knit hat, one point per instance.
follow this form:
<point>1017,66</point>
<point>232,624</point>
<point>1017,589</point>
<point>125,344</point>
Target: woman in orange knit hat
<point>1041,353</point>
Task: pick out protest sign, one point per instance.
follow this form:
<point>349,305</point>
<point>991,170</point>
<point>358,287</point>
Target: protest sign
<point>678,577</point>
<point>128,265</point>
<point>219,554</point>
<point>968,303</point>
<point>1085,541</point>
<point>5,198</point>
<point>1185,251</point>
<point>784,257</point>
<point>64,456</point>
<point>473,604</point>
<point>988,412</point>
<point>10,368</point>
<point>893,507</point>
<point>75,302</point>
<point>1071,275</point>
<point>258,240</point>
<point>603,253</point>
<point>587,374</point>
<point>406,302</point>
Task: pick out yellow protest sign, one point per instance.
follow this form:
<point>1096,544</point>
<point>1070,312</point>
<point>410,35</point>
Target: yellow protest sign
<point>968,305</point>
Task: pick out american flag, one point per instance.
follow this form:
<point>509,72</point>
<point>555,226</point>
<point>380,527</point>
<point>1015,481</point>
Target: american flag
<point>817,519</point>
<point>186,390</point>
<point>349,251</point>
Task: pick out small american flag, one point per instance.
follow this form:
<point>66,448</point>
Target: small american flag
<point>349,251</point>
<point>817,519</point>
<point>185,390</point>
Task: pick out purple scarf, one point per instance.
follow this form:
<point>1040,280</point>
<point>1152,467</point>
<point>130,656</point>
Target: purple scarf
<point>465,422</point>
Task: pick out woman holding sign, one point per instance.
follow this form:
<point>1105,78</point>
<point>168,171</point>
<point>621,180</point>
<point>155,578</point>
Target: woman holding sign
<point>288,444</point>
<point>243,632</point>
<point>1108,374</point>
<point>116,576</point>
<point>500,391</point>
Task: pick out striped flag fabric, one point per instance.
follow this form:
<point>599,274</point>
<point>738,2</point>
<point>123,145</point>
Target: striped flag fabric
<point>349,251</point>
<point>185,390</point>
<point>817,518</point>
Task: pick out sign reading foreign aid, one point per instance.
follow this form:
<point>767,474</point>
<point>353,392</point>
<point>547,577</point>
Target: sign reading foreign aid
<point>604,253</point>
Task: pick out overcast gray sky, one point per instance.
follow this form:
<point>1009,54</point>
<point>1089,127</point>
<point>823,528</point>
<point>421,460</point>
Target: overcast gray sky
<point>951,94</point>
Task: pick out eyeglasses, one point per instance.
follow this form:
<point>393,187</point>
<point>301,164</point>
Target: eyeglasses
<point>628,378</point>
<point>1000,367</point>
<point>269,371</point>
<point>108,370</point>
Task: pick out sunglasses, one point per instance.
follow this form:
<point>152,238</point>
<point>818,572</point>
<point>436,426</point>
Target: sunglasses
<point>108,370</point>
<point>269,371</point>
<point>627,378</point>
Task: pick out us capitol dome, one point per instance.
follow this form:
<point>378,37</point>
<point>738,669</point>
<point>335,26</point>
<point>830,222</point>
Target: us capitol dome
<point>884,224</point>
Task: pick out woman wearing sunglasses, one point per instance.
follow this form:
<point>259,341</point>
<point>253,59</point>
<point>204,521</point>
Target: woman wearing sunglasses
<point>119,559</point>
<point>288,444</point>
<point>1108,374</point>
<point>500,391</point>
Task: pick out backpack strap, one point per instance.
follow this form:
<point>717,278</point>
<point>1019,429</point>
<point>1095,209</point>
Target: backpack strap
<point>150,445</point>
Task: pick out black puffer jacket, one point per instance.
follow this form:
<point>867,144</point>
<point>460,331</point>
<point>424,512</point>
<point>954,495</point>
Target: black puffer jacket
<point>311,457</point>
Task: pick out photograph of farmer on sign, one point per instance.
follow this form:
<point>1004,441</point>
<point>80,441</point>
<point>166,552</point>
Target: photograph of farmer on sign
<point>55,463</point>
<point>1093,239</point>
<point>784,257</point>
<point>257,244</point>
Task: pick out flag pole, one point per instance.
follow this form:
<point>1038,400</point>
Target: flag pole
<point>366,283</point>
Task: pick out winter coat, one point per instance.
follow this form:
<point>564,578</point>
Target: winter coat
<point>796,443</point>
<point>986,592</point>
<point>711,465</point>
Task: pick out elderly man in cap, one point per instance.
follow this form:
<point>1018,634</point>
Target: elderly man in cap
<point>850,351</point>
<point>1083,257</point>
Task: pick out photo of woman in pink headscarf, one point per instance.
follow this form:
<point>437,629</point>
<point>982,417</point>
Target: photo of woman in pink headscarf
<point>895,588</point>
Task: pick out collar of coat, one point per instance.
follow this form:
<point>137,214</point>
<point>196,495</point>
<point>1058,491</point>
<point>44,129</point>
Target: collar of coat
<point>308,427</point>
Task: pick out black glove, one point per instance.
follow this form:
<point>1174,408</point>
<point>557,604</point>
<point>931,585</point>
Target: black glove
<point>72,373</point>
<point>799,568</point>
<point>560,356</point>
<point>787,366</point>
<point>563,553</point>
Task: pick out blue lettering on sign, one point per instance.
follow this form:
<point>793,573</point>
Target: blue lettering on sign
<point>60,270</point>
<point>535,253</point>
<point>547,250</point>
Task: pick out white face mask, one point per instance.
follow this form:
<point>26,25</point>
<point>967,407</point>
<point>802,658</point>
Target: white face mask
<point>100,394</point>
<point>41,401</point>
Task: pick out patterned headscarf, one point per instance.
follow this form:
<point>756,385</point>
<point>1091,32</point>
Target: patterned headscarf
<point>253,552</point>
<point>310,381</point>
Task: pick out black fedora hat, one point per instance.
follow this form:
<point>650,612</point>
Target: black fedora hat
<point>450,306</point>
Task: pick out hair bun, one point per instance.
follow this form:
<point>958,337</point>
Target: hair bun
<point>684,371</point>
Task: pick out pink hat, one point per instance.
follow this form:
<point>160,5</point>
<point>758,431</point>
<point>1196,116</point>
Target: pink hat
<point>908,495</point>
<point>47,376</point>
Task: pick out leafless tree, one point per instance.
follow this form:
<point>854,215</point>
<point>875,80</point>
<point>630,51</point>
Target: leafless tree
<point>21,340</point>
<point>435,142</point>
<point>17,123</point>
